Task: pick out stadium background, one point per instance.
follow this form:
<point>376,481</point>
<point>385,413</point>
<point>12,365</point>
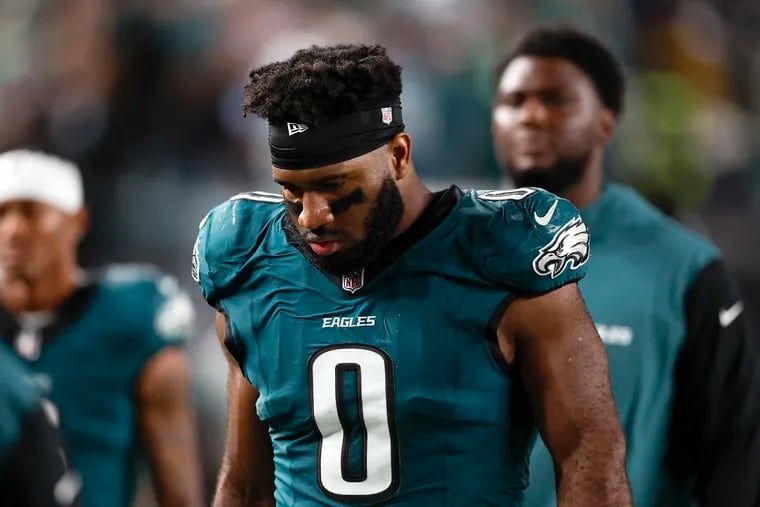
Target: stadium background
<point>145,96</point>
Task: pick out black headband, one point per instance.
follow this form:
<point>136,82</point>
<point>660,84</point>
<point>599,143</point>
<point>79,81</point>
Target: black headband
<point>303,146</point>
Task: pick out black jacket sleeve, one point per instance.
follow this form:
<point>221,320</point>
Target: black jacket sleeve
<point>38,474</point>
<point>714,448</point>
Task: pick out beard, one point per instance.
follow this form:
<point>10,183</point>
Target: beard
<point>383,218</point>
<point>558,178</point>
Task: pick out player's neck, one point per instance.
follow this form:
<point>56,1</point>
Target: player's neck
<point>584,193</point>
<point>417,198</point>
<point>22,295</point>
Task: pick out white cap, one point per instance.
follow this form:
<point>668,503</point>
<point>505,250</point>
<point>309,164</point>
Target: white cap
<point>41,177</point>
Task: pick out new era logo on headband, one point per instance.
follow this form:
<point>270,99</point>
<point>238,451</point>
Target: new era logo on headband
<point>296,128</point>
<point>387,114</point>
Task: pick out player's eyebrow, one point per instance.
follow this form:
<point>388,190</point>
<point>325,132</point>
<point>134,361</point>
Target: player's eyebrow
<point>327,180</point>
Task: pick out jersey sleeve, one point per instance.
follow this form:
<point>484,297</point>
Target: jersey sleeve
<point>160,313</point>
<point>536,242</point>
<point>173,314</point>
<point>228,237</point>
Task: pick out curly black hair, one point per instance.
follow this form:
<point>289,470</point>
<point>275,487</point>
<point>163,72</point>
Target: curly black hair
<point>579,48</point>
<point>322,82</point>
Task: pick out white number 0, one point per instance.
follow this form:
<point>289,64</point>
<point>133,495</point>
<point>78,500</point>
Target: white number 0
<point>374,385</point>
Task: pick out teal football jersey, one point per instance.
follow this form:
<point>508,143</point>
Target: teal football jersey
<point>383,387</point>
<point>642,265</point>
<point>20,395</point>
<point>91,353</point>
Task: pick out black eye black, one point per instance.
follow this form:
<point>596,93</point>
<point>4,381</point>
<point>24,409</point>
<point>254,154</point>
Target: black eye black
<point>344,203</point>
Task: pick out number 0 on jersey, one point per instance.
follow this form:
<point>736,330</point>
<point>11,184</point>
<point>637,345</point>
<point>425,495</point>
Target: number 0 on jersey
<point>363,374</point>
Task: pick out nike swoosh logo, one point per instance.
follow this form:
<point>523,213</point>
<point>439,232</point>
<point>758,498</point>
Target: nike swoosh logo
<point>728,315</point>
<point>544,220</point>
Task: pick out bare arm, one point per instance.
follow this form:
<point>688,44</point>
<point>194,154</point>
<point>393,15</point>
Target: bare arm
<point>563,364</point>
<point>247,474</point>
<point>168,429</point>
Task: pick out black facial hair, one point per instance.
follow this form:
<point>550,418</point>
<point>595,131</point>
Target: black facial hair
<point>382,220</point>
<point>557,179</point>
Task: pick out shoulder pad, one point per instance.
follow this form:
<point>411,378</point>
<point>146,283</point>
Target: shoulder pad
<point>227,238</point>
<point>170,307</point>
<point>116,275</point>
<point>535,241</point>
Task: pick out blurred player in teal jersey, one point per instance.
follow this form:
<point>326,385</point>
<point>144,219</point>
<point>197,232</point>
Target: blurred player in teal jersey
<point>34,467</point>
<point>397,344</point>
<point>108,344</point>
<point>685,372</point>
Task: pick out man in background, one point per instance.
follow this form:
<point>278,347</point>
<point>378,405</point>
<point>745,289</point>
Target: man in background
<point>685,371</point>
<point>108,344</point>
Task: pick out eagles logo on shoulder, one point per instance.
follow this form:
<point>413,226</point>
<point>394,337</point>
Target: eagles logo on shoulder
<point>568,247</point>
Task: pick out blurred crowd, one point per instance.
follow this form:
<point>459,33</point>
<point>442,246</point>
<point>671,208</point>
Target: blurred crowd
<point>145,96</point>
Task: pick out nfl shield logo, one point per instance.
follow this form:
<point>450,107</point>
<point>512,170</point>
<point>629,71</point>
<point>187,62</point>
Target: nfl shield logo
<point>353,281</point>
<point>387,115</point>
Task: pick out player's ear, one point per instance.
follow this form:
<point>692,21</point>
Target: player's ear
<point>401,154</point>
<point>82,222</point>
<point>607,123</point>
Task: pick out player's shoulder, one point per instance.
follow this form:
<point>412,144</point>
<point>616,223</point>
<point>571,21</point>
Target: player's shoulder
<point>235,221</point>
<point>125,276</point>
<point>525,205</point>
<point>528,237</point>
<point>242,209</point>
<point>523,216</point>
<point>682,251</point>
<point>684,239</point>
<point>672,239</point>
<point>135,280</point>
<point>515,198</point>
<point>228,236</point>
<point>150,295</point>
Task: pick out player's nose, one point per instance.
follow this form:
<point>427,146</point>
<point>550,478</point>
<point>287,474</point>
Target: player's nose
<point>316,211</point>
<point>533,111</point>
